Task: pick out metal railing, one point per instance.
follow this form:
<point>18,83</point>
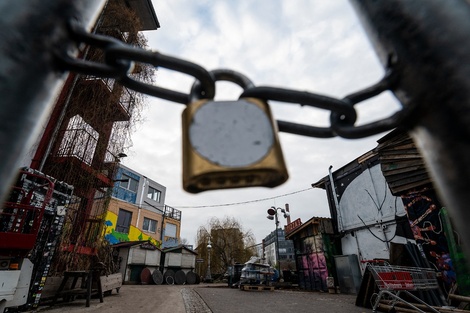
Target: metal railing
<point>79,143</point>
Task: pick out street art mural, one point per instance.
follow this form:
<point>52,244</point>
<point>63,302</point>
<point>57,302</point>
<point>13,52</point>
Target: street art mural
<point>424,215</point>
<point>312,265</point>
<point>134,234</point>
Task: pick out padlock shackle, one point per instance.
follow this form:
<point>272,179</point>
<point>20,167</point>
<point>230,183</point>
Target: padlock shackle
<point>238,78</point>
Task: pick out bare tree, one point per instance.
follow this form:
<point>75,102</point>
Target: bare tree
<point>229,241</point>
<point>184,241</point>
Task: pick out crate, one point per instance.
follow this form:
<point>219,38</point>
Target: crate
<point>110,282</point>
<point>393,280</point>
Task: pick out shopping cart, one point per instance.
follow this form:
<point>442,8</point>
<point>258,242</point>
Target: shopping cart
<point>392,280</point>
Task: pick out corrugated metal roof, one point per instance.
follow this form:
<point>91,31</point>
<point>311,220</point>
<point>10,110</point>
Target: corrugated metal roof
<point>324,225</point>
<point>128,243</point>
<point>401,163</point>
<point>178,248</point>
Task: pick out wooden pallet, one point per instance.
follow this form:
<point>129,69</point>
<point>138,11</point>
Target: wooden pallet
<point>257,287</point>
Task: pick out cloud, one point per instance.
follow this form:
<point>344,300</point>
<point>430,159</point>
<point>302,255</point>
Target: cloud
<point>316,46</point>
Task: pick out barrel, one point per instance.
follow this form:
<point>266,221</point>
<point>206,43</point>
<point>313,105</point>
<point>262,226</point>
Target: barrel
<point>146,276</point>
<point>191,278</point>
<point>180,277</point>
<point>157,277</point>
<point>169,277</point>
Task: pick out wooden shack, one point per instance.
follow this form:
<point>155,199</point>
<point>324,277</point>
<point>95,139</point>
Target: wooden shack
<point>177,262</point>
<point>134,257</point>
<point>313,251</point>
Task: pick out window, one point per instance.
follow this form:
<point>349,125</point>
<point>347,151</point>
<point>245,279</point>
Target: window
<point>124,221</point>
<point>149,225</point>
<point>170,230</point>
<point>154,194</point>
<point>129,183</point>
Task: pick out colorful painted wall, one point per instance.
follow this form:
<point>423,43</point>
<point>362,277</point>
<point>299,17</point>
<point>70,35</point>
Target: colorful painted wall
<point>427,224</point>
<point>135,229</point>
<point>135,234</point>
<point>312,265</point>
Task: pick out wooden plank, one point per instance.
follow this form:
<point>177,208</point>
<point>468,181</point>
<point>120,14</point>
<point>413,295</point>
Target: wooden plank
<point>252,287</point>
<point>400,156</point>
<point>257,287</point>
<point>397,152</point>
<point>110,282</point>
<point>400,174</point>
<point>408,187</point>
<point>387,167</point>
<point>405,145</point>
<point>400,164</point>
<point>424,178</point>
<point>413,176</point>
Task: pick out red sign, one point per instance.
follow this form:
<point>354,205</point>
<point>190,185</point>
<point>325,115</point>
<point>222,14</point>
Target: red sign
<point>292,226</point>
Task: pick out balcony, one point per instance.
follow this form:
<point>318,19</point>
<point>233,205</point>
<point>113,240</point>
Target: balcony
<point>110,101</point>
<point>76,154</point>
<point>79,143</point>
<point>172,213</point>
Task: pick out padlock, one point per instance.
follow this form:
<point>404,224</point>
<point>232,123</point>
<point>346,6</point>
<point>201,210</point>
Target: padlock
<point>230,144</point>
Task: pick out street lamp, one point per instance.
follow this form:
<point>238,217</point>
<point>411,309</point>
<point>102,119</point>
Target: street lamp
<point>208,274</point>
<point>272,215</point>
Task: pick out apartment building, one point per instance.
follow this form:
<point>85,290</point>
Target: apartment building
<point>137,211</point>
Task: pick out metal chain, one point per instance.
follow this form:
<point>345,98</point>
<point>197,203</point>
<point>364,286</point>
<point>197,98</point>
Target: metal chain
<point>119,58</point>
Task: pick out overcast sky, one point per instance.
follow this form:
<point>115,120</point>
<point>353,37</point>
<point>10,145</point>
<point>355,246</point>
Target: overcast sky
<point>317,46</point>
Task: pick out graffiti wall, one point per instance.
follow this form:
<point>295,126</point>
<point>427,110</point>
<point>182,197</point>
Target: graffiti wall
<point>134,234</point>
<point>424,215</point>
<point>312,265</point>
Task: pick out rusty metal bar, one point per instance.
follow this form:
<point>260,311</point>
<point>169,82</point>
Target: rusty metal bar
<point>429,44</point>
<point>33,30</point>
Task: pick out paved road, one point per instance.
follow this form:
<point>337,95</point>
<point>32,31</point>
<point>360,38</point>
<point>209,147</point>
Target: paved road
<point>211,298</point>
<point>236,301</point>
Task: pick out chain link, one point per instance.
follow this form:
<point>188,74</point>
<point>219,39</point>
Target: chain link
<point>115,54</point>
<point>106,70</point>
<point>119,58</point>
<point>345,110</point>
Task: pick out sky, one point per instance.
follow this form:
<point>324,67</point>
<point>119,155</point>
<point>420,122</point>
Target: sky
<point>310,45</point>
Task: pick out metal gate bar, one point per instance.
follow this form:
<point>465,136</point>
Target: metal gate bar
<point>33,30</point>
<point>428,44</point>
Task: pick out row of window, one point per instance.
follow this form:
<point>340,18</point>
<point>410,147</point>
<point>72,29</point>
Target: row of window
<point>132,184</point>
<point>124,223</point>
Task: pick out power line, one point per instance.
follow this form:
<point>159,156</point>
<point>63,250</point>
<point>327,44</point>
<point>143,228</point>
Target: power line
<point>239,203</point>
